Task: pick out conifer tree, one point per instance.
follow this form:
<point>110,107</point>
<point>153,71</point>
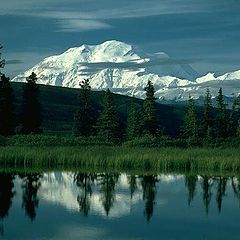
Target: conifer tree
<point>31,109</point>
<point>7,114</point>
<point>234,116</point>
<point>107,125</point>
<point>150,123</point>
<point>206,124</point>
<point>189,129</point>
<point>133,124</point>
<point>84,118</point>
<point>221,118</point>
<point>2,61</point>
<point>238,129</point>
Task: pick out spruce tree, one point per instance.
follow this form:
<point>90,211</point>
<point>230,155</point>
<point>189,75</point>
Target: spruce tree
<point>189,129</point>
<point>84,118</point>
<point>133,124</point>
<point>238,129</point>
<point>2,61</point>
<point>221,118</point>
<point>234,116</point>
<point>207,121</point>
<point>7,114</point>
<point>206,131</point>
<point>31,109</point>
<point>107,125</point>
<point>150,123</point>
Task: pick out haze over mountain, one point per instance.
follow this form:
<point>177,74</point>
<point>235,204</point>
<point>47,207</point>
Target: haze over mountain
<point>126,70</point>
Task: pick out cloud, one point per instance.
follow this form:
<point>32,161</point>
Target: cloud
<point>117,9</point>
<point>87,15</point>
<point>74,21</point>
<point>21,61</point>
<point>81,25</point>
<point>134,65</point>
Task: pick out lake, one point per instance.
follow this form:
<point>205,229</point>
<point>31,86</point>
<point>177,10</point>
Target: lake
<point>86,205</point>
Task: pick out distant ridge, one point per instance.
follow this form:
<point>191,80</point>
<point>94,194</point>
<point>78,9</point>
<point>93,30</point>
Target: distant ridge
<point>125,70</point>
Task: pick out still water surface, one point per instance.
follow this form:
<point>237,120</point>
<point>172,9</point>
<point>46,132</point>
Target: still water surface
<point>67,205</point>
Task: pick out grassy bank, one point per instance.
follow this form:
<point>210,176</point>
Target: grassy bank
<point>121,158</point>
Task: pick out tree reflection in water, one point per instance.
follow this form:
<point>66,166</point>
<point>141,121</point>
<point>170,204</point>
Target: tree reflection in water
<point>149,194</point>
<point>107,183</point>
<point>235,182</point>
<point>6,195</point>
<point>190,183</point>
<point>30,185</point>
<point>221,191</point>
<point>210,188</point>
<point>132,181</point>
<point>84,182</point>
<point>207,191</point>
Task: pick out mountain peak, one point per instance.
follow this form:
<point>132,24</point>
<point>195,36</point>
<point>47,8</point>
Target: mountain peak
<point>123,69</point>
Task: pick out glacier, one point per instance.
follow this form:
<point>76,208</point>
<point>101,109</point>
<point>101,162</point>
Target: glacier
<point>125,69</point>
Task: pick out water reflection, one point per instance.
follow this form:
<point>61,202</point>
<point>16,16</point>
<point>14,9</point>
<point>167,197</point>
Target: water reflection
<point>6,193</point>
<point>113,195</point>
<point>107,182</point>
<point>207,183</point>
<point>6,196</point>
<point>84,182</point>
<point>236,187</point>
<point>221,191</point>
<point>149,193</point>
<point>30,185</point>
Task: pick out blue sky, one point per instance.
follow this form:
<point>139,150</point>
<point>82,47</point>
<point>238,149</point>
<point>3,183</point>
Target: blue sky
<point>205,33</point>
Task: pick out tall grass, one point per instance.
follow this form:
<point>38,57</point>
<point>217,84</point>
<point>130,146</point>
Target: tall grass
<point>121,158</point>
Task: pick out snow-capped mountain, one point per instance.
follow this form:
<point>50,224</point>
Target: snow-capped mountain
<point>126,70</point>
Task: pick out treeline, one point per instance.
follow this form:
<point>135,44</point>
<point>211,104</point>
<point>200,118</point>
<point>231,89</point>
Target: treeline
<point>29,120</point>
<point>214,126</point>
<point>211,126</point>
<point>106,125</point>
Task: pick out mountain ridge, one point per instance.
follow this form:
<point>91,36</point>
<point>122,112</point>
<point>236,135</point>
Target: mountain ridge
<point>126,70</point>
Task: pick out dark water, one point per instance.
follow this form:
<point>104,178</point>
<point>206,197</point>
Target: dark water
<point>67,205</point>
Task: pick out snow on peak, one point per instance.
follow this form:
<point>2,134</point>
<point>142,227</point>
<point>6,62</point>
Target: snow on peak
<point>125,70</point>
<point>206,78</point>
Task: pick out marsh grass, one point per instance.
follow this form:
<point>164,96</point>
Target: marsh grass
<point>121,158</point>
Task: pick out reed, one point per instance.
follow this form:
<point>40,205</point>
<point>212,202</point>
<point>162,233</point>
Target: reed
<point>122,158</point>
